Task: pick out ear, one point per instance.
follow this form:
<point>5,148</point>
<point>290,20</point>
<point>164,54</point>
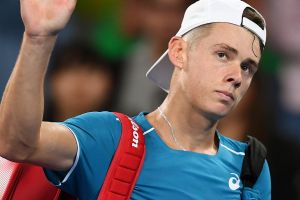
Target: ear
<point>177,51</point>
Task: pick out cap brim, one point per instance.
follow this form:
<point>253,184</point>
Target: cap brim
<point>161,72</point>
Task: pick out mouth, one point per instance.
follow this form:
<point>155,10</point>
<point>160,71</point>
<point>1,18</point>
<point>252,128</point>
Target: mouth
<point>228,96</point>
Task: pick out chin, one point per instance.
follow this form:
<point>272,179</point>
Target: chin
<point>219,113</point>
<point>214,111</point>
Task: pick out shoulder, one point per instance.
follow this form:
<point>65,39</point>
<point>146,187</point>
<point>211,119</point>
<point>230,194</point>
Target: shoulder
<point>263,183</point>
<point>92,117</point>
<point>94,121</point>
<point>95,127</point>
<point>232,145</point>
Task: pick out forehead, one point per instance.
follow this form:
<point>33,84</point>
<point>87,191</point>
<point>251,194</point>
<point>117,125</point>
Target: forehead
<point>245,42</point>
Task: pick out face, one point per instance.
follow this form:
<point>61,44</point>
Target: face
<point>216,72</point>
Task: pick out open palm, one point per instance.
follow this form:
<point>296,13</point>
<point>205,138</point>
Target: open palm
<point>46,17</point>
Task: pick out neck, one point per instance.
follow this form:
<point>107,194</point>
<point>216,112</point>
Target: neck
<point>193,131</point>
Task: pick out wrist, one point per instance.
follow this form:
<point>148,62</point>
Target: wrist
<point>40,40</point>
<point>38,46</point>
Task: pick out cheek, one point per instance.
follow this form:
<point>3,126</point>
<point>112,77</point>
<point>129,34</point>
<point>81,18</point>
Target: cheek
<point>241,92</point>
<point>196,86</point>
<point>198,75</point>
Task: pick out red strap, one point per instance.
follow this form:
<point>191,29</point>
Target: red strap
<point>20,181</point>
<point>126,164</point>
<point>9,173</point>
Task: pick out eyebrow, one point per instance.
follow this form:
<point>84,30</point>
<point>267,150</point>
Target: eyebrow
<point>235,51</point>
<point>227,47</point>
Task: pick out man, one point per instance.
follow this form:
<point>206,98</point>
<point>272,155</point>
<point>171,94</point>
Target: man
<point>207,69</point>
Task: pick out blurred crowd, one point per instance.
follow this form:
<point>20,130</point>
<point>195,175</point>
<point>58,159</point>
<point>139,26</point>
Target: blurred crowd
<point>102,56</point>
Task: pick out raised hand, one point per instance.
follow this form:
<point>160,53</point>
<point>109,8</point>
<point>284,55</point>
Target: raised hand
<point>23,135</point>
<point>45,17</point>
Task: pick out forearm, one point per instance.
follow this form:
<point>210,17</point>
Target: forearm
<point>21,109</point>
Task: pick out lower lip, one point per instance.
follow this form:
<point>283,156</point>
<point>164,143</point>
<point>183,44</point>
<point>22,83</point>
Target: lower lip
<point>225,97</point>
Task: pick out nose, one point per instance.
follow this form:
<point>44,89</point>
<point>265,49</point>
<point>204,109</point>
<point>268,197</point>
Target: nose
<point>234,76</point>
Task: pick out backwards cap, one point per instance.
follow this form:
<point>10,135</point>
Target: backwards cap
<point>200,13</point>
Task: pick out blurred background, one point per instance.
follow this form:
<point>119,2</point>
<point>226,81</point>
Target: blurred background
<point>101,58</point>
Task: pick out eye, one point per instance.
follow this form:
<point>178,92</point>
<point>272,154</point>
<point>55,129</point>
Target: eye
<point>222,55</point>
<point>247,68</point>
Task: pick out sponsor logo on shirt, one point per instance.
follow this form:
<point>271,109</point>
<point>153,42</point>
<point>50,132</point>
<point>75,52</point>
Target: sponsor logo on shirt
<point>234,182</point>
<point>135,139</point>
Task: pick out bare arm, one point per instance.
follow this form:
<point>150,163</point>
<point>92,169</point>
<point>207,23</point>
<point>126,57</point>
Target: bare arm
<point>23,135</point>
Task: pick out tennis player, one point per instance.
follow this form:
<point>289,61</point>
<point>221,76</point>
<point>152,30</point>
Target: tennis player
<point>206,70</point>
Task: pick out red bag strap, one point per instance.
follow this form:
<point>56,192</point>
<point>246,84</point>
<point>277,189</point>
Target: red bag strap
<point>10,172</point>
<point>127,162</point>
<point>19,181</point>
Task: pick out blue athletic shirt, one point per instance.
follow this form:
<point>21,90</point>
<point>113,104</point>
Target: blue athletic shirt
<point>166,173</point>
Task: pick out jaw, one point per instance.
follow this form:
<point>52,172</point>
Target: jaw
<point>217,111</point>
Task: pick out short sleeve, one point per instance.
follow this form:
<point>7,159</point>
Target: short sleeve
<point>263,183</point>
<point>97,135</point>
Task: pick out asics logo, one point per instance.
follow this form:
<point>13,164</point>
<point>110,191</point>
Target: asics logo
<point>234,182</point>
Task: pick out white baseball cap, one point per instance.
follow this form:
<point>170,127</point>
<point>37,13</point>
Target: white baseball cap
<point>200,13</point>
